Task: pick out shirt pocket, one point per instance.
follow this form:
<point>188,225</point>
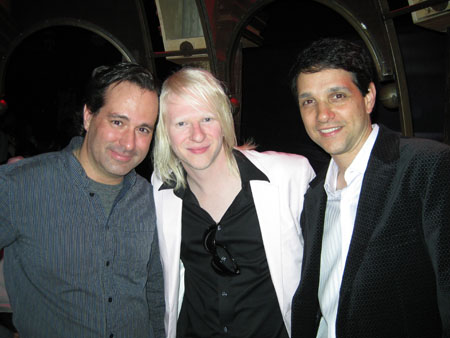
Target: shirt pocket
<point>133,248</point>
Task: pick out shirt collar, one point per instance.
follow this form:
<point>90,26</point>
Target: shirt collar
<point>247,170</point>
<point>357,167</point>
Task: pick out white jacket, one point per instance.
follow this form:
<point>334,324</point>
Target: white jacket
<point>278,206</point>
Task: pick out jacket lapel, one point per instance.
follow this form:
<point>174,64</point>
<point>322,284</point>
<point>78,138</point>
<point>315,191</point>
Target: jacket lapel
<point>265,196</point>
<point>168,211</point>
<point>381,168</point>
<point>305,306</point>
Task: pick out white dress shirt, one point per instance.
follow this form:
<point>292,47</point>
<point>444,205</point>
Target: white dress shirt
<point>337,233</point>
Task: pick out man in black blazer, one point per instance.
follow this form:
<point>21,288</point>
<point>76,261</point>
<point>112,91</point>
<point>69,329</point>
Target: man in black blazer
<point>376,224</point>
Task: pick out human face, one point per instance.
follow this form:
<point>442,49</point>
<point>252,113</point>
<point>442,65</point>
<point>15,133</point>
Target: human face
<point>195,134</point>
<point>335,114</point>
<point>118,137</point>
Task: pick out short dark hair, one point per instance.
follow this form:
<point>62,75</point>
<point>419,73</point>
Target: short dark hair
<point>334,53</point>
<point>105,76</point>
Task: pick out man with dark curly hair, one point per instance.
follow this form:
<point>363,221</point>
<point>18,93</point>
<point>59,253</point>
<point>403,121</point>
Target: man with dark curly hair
<point>376,224</point>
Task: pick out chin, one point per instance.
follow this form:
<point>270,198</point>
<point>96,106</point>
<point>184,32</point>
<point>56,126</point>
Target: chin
<point>198,166</point>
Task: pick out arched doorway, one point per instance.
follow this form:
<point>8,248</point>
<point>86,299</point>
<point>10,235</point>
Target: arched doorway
<point>44,80</point>
<point>269,114</point>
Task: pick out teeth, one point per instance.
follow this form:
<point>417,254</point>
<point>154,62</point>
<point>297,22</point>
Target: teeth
<point>329,130</point>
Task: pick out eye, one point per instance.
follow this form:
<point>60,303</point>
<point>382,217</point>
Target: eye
<point>207,119</point>
<point>306,102</point>
<point>180,124</point>
<point>116,122</point>
<point>144,130</point>
<point>338,96</point>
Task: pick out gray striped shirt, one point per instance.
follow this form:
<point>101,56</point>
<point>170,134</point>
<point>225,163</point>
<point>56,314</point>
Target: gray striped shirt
<point>70,269</point>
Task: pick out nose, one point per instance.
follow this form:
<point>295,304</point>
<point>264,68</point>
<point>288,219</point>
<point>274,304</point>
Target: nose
<point>197,133</point>
<point>128,140</point>
<point>324,112</point>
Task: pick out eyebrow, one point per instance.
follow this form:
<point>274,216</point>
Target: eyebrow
<point>125,117</point>
<point>338,89</point>
<point>119,116</point>
<point>304,95</point>
<point>329,90</point>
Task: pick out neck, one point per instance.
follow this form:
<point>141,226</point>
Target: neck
<point>343,161</point>
<point>215,188</point>
<point>211,178</point>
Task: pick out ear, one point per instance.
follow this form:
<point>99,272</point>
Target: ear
<point>87,117</point>
<point>369,99</point>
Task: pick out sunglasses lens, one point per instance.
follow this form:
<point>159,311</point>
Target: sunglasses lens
<point>222,261</point>
<point>209,242</point>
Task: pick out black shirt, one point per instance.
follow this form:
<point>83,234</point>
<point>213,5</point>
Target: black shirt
<point>214,305</point>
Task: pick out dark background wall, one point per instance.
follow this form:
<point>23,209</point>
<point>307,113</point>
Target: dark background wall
<point>47,71</point>
<point>270,115</point>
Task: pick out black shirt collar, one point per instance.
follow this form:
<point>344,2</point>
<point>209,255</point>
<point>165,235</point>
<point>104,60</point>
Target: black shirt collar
<point>247,170</point>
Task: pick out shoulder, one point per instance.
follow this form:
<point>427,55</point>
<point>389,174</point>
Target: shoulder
<point>142,183</point>
<point>156,181</point>
<point>280,166</point>
<point>424,152</point>
<point>416,160</point>
<point>422,146</point>
<point>31,175</point>
<point>275,159</point>
<point>162,190</point>
<point>32,166</point>
<point>390,145</point>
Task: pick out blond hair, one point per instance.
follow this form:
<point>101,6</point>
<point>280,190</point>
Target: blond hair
<point>198,88</point>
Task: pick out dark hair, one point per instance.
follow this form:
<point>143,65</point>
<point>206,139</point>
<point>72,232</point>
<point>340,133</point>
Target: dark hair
<point>105,76</point>
<point>334,53</point>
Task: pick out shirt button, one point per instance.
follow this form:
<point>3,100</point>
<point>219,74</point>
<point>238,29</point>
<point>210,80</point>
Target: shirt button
<point>219,227</point>
<point>225,329</point>
<point>107,263</point>
<point>111,335</point>
<point>224,293</point>
<point>91,194</point>
<point>110,299</point>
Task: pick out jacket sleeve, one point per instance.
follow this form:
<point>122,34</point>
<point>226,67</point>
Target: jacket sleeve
<point>436,227</point>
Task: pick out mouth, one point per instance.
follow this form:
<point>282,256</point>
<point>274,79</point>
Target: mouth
<point>198,150</point>
<point>329,131</point>
<point>121,157</point>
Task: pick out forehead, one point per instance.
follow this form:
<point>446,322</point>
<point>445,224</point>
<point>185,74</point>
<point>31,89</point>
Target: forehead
<point>325,79</point>
<point>186,105</point>
<point>128,94</point>
<point>117,91</point>
<point>131,101</point>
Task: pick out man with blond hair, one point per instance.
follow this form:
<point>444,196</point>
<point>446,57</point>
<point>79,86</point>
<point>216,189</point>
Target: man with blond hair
<point>227,217</point>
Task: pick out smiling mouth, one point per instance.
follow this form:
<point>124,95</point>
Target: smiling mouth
<point>329,130</point>
<point>198,150</point>
<point>121,157</point>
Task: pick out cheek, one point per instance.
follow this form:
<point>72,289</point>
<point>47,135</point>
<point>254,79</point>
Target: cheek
<point>144,143</point>
<point>308,120</point>
<point>175,137</point>
<point>217,133</point>
<point>215,130</point>
<point>103,132</point>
